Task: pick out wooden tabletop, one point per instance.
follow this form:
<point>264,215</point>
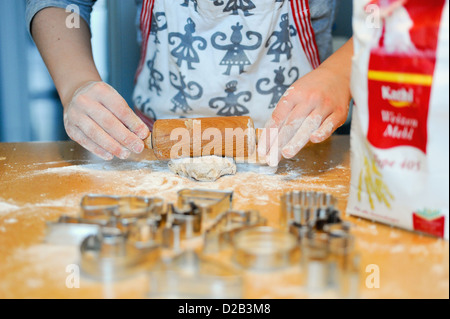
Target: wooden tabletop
<point>41,181</point>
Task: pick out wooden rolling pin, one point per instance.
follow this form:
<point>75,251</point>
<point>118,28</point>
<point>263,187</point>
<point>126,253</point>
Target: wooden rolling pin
<point>233,136</point>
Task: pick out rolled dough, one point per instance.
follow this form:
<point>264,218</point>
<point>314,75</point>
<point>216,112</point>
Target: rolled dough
<point>203,169</point>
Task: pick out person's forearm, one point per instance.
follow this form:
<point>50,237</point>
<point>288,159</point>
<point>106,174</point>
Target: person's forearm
<point>95,114</point>
<point>66,51</point>
<point>340,63</point>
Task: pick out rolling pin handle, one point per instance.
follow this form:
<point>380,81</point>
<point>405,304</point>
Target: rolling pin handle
<point>258,132</point>
<point>148,142</point>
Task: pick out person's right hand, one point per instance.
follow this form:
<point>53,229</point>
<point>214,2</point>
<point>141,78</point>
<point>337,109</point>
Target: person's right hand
<point>100,120</point>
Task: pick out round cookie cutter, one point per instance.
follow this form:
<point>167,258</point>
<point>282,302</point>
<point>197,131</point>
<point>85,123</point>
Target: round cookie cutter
<point>265,248</point>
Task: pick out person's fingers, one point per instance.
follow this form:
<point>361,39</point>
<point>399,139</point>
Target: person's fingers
<point>114,102</point>
<point>327,128</point>
<point>111,125</point>
<point>268,137</point>
<point>283,108</point>
<point>286,133</point>
<point>302,136</point>
<point>263,142</point>
<point>94,132</point>
<point>294,122</point>
<point>78,136</point>
<point>270,132</point>
<point>110,111</point>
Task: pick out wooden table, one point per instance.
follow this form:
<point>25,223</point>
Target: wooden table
<point>41,181</point>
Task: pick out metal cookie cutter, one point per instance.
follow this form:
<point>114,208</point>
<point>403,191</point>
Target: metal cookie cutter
<point>326,212</point>
<point>145,232</point>
<point>344,261</point>
<point>211,203</point>
<point>302,211</point>
<point>130,214</point>
<point>110,256</point>
<point>181,224</point>
<point>221,233</point>
<point>70,230</point>
<point>314,263</point>
<point>297,206</point>
<point>340,243</point>
<point>328,262</point>
<point>122,210</point>
<point>265,248</point>
<point>190,219</point>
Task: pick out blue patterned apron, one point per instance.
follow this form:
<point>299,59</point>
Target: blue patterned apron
<point>204,58</point>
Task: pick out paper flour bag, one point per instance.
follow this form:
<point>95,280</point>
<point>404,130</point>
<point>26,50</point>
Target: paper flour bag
<point>400,125</point>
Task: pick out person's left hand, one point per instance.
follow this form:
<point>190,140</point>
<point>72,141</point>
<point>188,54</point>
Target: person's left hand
<point>310,110</point>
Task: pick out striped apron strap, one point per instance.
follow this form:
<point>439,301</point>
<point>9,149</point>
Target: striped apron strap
<point>145,23</point>
<point>302,19</point>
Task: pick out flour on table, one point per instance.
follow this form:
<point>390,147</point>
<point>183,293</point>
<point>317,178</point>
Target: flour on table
<point>6,208</point>
<point>252,181</point>
<point>203,169</point>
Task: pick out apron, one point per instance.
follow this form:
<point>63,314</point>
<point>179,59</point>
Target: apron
<point>206,58</point>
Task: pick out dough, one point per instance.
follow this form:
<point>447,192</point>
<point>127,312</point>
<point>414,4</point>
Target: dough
<point>203,169</point>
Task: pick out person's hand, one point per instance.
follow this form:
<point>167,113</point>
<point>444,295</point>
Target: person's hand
<point>310,110</point>
<point>100,120</point>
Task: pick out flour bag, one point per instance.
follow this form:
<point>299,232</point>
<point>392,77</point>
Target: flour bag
<point>400,124</point>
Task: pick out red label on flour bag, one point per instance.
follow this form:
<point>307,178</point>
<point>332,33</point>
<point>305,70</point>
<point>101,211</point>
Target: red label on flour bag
<point>400,77</point>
